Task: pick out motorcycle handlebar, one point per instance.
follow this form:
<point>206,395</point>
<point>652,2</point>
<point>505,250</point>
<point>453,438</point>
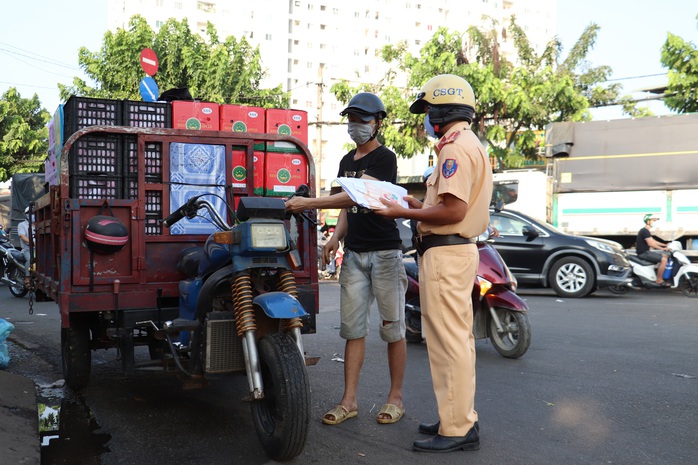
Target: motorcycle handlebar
<point>181,212</point>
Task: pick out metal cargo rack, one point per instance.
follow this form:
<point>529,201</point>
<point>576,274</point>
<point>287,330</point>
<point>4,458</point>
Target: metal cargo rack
<point>142,279</point>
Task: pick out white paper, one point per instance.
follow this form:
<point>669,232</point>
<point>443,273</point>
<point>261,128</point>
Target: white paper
<point>367,192</point>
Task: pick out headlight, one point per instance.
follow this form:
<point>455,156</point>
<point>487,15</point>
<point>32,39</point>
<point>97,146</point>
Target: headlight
<point>601,246</point>
<point>485,285</point>
<point>268,236</point>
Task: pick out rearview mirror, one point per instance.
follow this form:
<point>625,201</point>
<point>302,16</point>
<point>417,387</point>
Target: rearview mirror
<point>529,231</point>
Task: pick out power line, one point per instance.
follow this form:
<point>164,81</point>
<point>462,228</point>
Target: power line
<point>37,57</point>
<point>34,66</point>
<point>28,85</point>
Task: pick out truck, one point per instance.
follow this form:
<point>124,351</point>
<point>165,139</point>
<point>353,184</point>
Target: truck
<point>172,240</point>
<point>602,177</point>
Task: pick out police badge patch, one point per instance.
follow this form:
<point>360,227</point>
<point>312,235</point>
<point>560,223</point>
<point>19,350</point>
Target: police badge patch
<point>449,168</point>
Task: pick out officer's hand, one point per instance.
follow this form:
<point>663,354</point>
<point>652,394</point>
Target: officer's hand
<point>329,250</point>
<point>296,204</point>
<point>390,209</point>
<point>412,202</point>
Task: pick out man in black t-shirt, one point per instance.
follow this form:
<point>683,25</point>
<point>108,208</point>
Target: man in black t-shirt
<point>372,267</point>
<point>645,242</point>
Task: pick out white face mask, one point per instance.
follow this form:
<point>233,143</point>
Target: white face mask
<point>360,133</point>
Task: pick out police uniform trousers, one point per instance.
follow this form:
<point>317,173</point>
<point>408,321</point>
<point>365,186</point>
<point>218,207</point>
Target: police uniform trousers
<point>446,277</point>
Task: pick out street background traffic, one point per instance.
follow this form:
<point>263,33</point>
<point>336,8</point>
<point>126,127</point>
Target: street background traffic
<point>608,379</point>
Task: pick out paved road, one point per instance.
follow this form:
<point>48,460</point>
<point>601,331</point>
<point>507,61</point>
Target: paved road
<point>607,380</point>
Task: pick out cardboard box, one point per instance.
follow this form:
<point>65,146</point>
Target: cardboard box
<point>288,122</point>
<point>239,118</point>
<point>239,173</point>
<point>283,173</point>
<point>195,115</point>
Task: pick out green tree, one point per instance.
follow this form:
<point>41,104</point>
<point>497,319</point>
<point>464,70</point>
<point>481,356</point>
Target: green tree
<point>24,134</point>
<point>512,102</point>
<point>228,71</point>
<point>681,58</point>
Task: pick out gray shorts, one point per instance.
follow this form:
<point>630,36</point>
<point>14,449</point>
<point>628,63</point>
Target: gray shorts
<point>654,256</point>
<point>370,276</point>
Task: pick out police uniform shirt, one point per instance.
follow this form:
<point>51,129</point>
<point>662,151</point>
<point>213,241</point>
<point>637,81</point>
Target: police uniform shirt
<point>463,170</point>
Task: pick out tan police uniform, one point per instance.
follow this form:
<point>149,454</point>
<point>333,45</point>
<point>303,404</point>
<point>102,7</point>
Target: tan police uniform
<point>447,274</point>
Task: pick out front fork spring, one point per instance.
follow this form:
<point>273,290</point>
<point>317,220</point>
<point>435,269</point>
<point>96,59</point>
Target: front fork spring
<point>287,284</point>
<point>242,299</point>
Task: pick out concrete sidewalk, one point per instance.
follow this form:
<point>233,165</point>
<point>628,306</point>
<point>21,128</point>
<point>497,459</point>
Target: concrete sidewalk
<point>19,421</point>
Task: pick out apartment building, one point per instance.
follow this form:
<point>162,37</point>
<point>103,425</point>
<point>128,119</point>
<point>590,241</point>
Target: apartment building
<point>307,45</point>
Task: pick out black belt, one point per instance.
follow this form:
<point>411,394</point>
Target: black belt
<point>424,243</point>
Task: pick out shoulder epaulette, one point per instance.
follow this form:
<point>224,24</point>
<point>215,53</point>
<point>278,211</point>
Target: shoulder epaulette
<point>447,140</point>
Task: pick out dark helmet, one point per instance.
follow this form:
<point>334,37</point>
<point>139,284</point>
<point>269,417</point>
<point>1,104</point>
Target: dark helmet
<point>366,106</point>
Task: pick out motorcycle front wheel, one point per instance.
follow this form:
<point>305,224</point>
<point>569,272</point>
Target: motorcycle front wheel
<point>689,285</point>
<point>620,290</point>
<point>18,290</point>
<point>515,338</point>
<point>282,418</point>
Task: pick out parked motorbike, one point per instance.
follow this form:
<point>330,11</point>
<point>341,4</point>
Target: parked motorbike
<point>239,312</point>
<point>680,273</point>
<point>498,313</point>
<point>12,267</point>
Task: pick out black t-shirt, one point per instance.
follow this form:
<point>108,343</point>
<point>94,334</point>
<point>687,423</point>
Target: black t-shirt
<point>641,242</point>
<point>366,231</point>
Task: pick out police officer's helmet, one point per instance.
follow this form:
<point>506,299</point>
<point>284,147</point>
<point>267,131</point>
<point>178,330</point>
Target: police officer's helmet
<point>366,106</point>
<point>427,173</point>
<point>449,98</point>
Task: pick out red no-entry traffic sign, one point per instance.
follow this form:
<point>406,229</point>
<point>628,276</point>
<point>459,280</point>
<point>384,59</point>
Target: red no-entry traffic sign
<point>149,61</point>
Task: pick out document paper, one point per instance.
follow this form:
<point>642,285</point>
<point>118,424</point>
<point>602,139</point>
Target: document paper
<point>367,192</point>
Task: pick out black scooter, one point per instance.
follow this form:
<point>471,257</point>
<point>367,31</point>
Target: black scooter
<point>12,267</point>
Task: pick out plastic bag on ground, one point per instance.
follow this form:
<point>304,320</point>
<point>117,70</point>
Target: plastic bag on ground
<point>5,329</point>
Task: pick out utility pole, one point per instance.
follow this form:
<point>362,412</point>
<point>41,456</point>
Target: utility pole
<point>318,132</point>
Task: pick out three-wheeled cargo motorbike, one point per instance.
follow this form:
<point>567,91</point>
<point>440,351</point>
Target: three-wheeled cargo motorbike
<point>164,248</point>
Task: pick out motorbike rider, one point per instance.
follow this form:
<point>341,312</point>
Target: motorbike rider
<point>372,265</point>
<point>23,233</point>
<point>644,243</point>
<point>454,213</point>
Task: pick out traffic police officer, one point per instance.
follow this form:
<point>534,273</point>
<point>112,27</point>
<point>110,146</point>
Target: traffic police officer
<point>455,211</point>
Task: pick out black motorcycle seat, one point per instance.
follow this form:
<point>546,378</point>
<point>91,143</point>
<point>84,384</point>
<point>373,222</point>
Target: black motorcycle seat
<point>17,255</point>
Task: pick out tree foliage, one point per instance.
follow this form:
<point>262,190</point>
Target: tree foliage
<point>24,134</point>
<point>681,58</point>
<point>512,101</point>
<point>227,71</point>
